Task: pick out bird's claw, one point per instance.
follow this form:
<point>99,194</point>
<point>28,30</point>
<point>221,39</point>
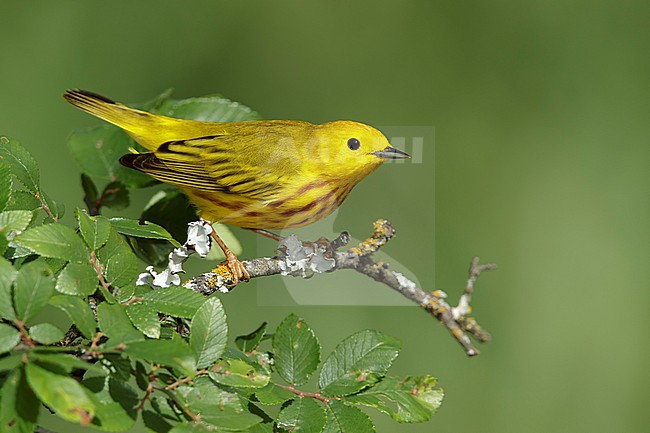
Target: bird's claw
<point>237,269</point>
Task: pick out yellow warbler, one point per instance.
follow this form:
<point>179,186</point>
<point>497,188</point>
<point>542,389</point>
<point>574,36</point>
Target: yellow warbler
<point>268,174</point>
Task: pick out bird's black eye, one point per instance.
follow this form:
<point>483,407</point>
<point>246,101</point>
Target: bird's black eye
<point>353,144</point>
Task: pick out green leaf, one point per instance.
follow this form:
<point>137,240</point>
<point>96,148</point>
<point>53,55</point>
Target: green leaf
<point>358,361</point>
<point>411,400</point>
<point>207,109</point>
<point>95,231</point>
<point>6,184</point>
<point>97,151</point>
<point>32,290</point>
<point>238,374</point>
<point>115,324</point>
<point>140,229</point>
<point>46,333</point>
<point>208,332</point>
<point>272,394</point>
<point>54,240</point>
<point>10,362</point>
<point>297,352</point>
<point>174,301</point>
<point>21,162</point>
<point>79,279</point>
<point>19,408</point>
<point>119,263</point>
<point>342,418</point>
<point>65,361</point>
<point>9,338</point>
<point>144,318</point>
<point>12,223</point>
<point>303,415</point>
<point>61,394</point>
<point>23,200</point>
<point>8,275</point>
<point>115,196</point>
<point>114,401</point>
<point>217,407</point>
<point>174,353</point>
<point>249,342</point>
<point>78,312</point>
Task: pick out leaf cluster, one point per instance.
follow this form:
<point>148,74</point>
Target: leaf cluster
<point>78,337</point>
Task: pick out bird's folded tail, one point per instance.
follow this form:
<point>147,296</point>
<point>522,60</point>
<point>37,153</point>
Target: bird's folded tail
<point>142,126</point>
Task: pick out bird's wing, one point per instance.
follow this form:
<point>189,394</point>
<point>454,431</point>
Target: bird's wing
<point>218,163</point>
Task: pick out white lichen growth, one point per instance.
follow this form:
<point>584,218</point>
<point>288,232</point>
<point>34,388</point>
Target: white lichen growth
<point>303,260</point>
<point>198,241</point>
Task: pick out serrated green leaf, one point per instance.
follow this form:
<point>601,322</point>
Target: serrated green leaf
<point>46,333</point>
<point>249,342</point>
<point>296,349</point>
<point>97,151</point>
<point>174,353</point>
<point>303,415</point>
<point>6,183</point>
<point>32,290</point>
<point>116,325</point>
<point>95,231</point>
<point>207,109</point>
<point>358,361</point>
<point>272,394</point>
<point>9,337</point>
<point>8,275</point>
<point>238,374</point>
<point>119,263</point>
<point>23,200</point>
<point>78,279</point>
<point>61,394</point>
<point>78,312</point>
<point>411,400</point>
<point>144,318</point>
<point>155,422</point>
<point>19,408</point>
<point>342,418</point>
<point>140,229</point>
<point>115,196</point>
<point>54,240</point>
<point>21,162</point>
<point>174,301</point>
<point>217,407</point>
<point>208,332</point>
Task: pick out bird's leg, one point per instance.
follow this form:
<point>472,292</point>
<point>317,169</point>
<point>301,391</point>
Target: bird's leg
<point>267,234</point>
<point>236,266</point>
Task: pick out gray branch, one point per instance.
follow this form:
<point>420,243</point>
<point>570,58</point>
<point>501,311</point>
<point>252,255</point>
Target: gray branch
<point>302,259</point>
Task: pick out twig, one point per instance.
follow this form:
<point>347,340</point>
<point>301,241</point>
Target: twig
<point>98,270</point>
<point>315,395</point>
<point>296,262</point>
<point>45,207</point>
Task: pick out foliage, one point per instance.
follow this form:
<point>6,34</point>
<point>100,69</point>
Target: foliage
<point>162,355</point>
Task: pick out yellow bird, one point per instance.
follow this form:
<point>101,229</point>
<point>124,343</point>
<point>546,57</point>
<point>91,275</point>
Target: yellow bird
<point>267,174</point>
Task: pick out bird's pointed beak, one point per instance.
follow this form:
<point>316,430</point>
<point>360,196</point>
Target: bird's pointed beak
<point>391,153</point>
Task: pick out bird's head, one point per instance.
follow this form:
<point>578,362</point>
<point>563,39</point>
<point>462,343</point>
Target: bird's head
<point>347,149</point>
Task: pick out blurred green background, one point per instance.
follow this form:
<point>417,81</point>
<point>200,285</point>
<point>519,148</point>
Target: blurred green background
<point>541,116</point>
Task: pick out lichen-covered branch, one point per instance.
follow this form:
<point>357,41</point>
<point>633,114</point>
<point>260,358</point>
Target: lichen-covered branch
<point>303,259</point>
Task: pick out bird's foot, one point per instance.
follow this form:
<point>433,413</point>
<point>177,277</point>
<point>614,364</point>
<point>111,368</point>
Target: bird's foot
<point>237,268</point>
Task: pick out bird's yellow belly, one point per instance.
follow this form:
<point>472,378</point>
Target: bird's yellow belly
<point>303,205</point>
